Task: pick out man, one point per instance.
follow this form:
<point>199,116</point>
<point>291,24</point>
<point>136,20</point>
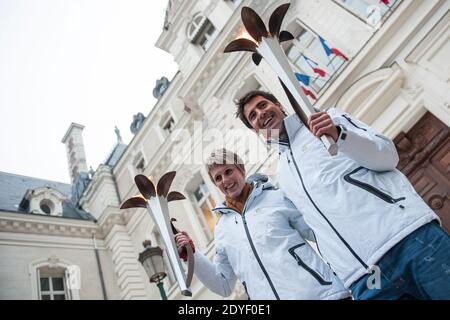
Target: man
<point>379,236</point>
<point>258,241</point>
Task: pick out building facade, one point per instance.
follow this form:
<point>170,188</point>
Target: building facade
<point>390,71</point>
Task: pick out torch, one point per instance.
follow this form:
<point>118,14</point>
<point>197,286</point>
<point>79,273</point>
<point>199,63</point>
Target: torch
<point>156,202</point>
<point>266,44</point>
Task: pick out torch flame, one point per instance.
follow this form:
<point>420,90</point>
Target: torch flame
<point>243,34</point>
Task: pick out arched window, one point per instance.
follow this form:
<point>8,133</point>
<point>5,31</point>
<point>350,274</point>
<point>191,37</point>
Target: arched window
<point>54,279</point>
<point>52,284</point>
<point>201,31</point>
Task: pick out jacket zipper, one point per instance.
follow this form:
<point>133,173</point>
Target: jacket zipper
<point>320,253</point>
<point>354,124</point>
<point>300,262</point>
<point>371,189</point>
<point>317,243</point>
<point>245,288</point>
<point>255,253</point>
<point>326,219</point>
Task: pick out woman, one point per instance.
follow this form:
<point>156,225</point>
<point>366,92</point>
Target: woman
<point>258,241</point>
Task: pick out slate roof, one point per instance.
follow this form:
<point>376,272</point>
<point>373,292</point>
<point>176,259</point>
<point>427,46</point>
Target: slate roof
<point>13,188</point>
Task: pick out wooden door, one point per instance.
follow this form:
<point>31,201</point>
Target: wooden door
<point>425,159</point>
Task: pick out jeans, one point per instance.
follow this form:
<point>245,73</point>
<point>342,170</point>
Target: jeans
<point>418,267</point>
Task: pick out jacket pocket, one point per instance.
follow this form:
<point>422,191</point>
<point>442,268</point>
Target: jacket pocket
<point>371,189</point>
<point>352,122</point>
<point>307,268</point>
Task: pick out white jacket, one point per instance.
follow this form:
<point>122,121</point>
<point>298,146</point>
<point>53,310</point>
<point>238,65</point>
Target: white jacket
<point>358,205</point>
<point>265,251</point>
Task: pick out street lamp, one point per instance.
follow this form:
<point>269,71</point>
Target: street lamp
<point>152,261</point>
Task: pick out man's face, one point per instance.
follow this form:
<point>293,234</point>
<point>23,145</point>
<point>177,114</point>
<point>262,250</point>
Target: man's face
<point>263,114</point>
<point>229,179</point>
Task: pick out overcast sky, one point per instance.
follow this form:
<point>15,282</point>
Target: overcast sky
<point>92,62</point>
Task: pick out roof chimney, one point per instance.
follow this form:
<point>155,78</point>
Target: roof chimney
<point>76,156</point>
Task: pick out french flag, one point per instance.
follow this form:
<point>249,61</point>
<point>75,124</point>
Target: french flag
<point>308,93</point>
<point>319,71</point>
<point>303,78</point>
<point>330,51</point>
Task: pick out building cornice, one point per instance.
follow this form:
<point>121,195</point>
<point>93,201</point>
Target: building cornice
<point>46,225</point>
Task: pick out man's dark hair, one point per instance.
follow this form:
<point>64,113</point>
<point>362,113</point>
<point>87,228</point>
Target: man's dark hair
<point>240,104</point>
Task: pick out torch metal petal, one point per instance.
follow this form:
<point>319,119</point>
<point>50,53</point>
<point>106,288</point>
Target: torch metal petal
<point>174,196</point>
<point>240,45</point>
<point>164,183</point>
<point>276,19</point>
<point>134,202</point>
<point>256,57</point>
<point>254,24</point>
<point>285,36</point>
<point>145,186</point>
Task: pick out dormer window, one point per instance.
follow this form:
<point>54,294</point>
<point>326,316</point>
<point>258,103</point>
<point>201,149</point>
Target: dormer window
<point>45,201</point>
<point>201,31</point>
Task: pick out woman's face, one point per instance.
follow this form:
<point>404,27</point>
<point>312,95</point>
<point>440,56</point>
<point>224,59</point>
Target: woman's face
<point>229,179</point>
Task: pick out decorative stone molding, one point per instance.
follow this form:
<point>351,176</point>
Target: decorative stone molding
<point>30,224</point>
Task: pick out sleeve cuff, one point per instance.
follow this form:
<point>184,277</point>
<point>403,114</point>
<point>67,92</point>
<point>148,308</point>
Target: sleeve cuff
<point>342,134</point>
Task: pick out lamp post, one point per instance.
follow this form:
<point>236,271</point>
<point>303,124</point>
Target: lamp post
<point>152,261</point>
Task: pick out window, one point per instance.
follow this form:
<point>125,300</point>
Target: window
<point>46,206</point>
<point>52,284</point>
<point>139,163</point>
<point>53,278</point>
<point>204,205</point>
<point>207,37</point>
<point>169,125</point>
<point>52,288</point>
<point>308,57</point>
<point>370,11</point>
<point>201,31</point>
<point>140,166</point>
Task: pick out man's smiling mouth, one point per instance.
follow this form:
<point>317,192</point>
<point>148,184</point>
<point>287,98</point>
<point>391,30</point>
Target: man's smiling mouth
<point>267,121</point>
